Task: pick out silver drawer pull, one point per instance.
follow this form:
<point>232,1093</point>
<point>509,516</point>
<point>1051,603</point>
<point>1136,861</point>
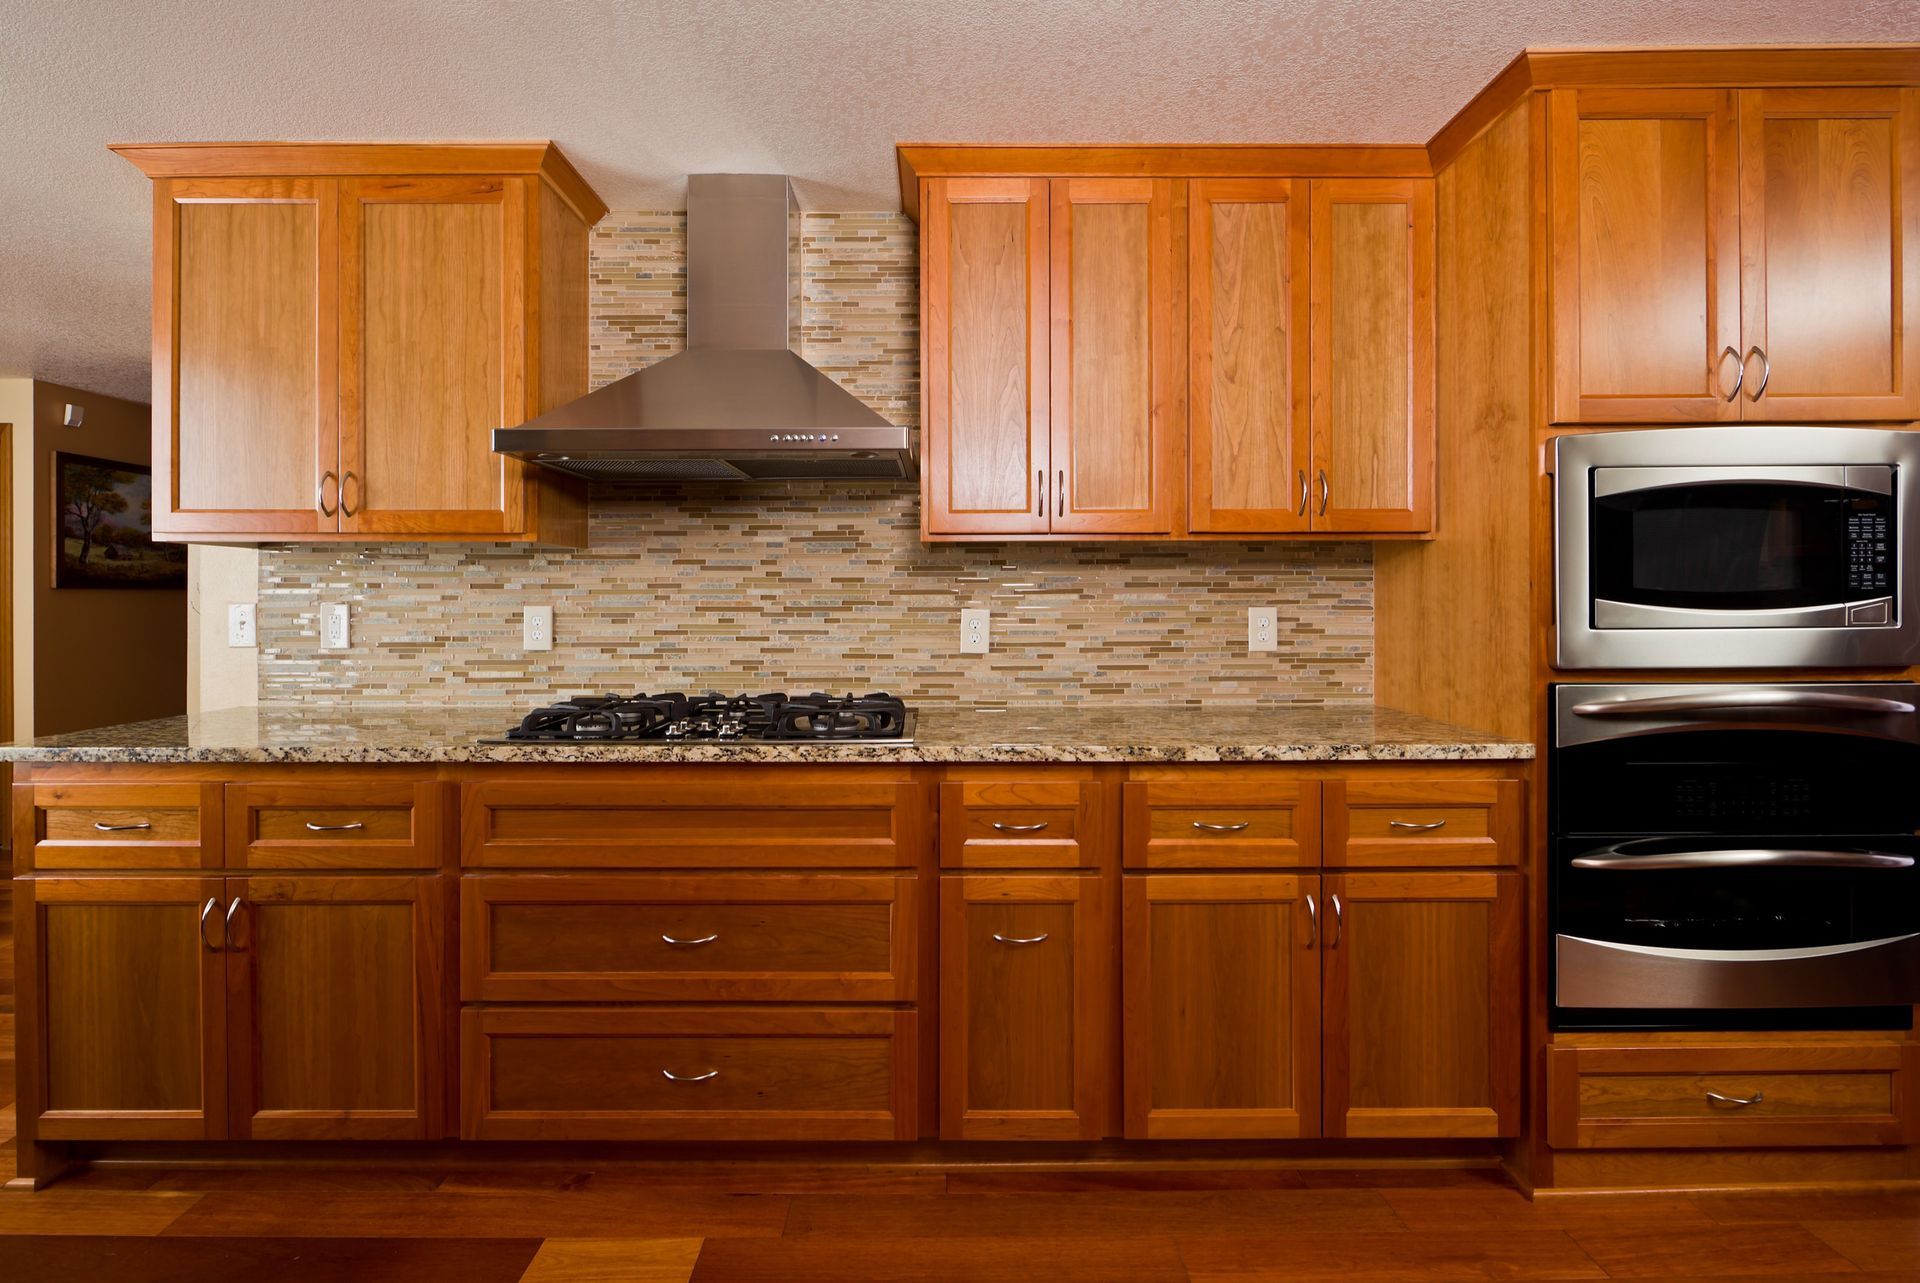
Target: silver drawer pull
<point>1411,827</point>
<point>121,828</point>
<point>1204,827</point>
<point>1738,1102</point>
<point>1039,939</point>
<point>1019,828</point>
<point>335,828</point>
<point>672,1077</point>
<point>690,944</point>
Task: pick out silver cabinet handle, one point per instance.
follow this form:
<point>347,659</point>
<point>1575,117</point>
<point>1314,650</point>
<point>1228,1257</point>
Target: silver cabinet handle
<point>694,943</point>
<point>1313,922</point>
<point>1411,827</point>
<point>1303,492</point>
<point>1039,939</point>
<point>1040,489</point>
<point>1738,1102</point>
<point>1740,369</point>
<point>226,932</point>
<point>320,495</point>
<point>335,828</point>
<point>672,1077</point>
<point>206,911</point>
<point>121,828</point>
<point>1060,493</point>
<point>1613,857</point>
<point>1324,492</point>
<point>1204,827</point>
<point>1020,828</point>
<point>1744,700</point>
<point>346,511</point>
<point>1339,922</point>
<point>1766,371</point>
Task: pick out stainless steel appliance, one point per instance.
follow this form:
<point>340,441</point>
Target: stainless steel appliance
<point>1739,547</point>
<point>1735,856</point>
<point>671,718</point>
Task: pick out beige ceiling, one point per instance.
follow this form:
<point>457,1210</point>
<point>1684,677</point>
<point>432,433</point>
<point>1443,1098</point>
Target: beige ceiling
<point>642,92</point>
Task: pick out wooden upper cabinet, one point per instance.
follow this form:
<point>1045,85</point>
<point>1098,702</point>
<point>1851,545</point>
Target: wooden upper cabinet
<point>1372,359</point>
<point>1117,289</point>
<point>984,285</point>
<point>1247,275</point>
<point>1830,274</point>
<point>338,328</point>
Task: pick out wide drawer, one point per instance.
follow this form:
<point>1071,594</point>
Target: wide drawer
<point>1410,823</point>
<point>1222,823</point>
<point>117,826</point>
<point>1019,823</point>
<point>720,937</point>
<point>787,818</point>
<point>611,1073</point>
<point>1732,1095</point>
<point>365,823</point>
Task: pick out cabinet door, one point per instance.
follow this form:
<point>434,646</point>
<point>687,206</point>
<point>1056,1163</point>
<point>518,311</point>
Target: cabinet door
<point>1117,289</point>
<point>122,979</point>
<point>984,353</point>
<point>336,1008</point>
<point>1222,1006</point>
<point>1830,275</point>
<point>245,323</point>
<point>1247,347</point>
<point>1422,1004</point>
<point>1026,972</point>
<point>1372,355</point>
<point>1645,233</point>
<point>432,354</point>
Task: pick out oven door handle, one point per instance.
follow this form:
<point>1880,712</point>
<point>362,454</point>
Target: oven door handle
<point>1758,700</point>
<point>1748,858</point>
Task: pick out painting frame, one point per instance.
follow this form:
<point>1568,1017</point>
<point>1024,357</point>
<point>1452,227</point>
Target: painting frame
<point>105,505</point>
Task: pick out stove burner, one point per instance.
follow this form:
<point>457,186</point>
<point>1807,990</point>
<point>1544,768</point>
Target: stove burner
<point>676,717</point>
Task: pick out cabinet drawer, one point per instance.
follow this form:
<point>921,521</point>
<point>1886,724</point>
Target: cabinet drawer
<point>1019,823</point>
<point>1222,823</point>
<point>786,819</point>
<point>118,826</point>
<point>1664,1096</point>
<point>612,1073</point>
<point>1443,823</point>
<point>358,824</point>
<point>529,937</point>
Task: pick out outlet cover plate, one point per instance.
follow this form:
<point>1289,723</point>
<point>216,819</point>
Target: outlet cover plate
<point>976,632</point>
<point>334,630</point>
<point>240,624</point>
<point>1263,628</point>
<point>536,628</point>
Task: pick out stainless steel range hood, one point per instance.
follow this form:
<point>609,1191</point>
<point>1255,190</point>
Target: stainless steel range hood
<point>739,403</point>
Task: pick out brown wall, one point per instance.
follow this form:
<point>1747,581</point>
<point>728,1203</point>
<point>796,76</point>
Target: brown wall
<point>101,656</point>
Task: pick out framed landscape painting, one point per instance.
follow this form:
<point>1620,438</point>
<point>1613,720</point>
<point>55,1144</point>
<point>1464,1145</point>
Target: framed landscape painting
<point>103,513</point>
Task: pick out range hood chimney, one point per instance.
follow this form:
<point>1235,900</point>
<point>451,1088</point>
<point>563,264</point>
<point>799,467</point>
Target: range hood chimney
<point>739,403</point>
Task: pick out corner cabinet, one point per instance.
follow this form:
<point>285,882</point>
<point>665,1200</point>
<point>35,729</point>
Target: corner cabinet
<point>338,328</point>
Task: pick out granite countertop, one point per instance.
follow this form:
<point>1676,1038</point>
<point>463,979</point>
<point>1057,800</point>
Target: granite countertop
<point>945,733</point>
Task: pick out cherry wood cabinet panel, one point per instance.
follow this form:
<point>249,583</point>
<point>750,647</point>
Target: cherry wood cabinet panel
<point>130,1040</point>
<point>740,1073</point>
<point>1830,270</point>
<point>1222,1006</point>
<point>723,937</point>
<point>984,353</point>
<point>112,826</point>
<point>1118,346</point>
<point>1422,1016</point>
<point>366,822</point>
<point>245,329</point>
<point>1255,821</point>
<point>1372,354</point>
<point>1735,1094</point>
<point>1645,230</point>
<point>1247,277</point>
<point>1026,981</point>
<point>1423,822</point>
<point>1011,823</point>
<point>336,1007</point>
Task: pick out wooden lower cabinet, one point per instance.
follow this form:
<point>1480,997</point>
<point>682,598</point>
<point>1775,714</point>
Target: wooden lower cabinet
<point>1026,994</point>
<point>1222,1005</point>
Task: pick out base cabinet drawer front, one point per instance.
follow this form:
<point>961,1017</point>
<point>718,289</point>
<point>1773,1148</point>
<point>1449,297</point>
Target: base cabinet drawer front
<point>721,937</point>
<point>1221,824</point>
<point>610,1073</point>
<point>1020,823</point>
<point>365,823</point>
<point>117,826</point>
<point>790,818</point>
<point>1733,1095</point>
<point>1423,822</point>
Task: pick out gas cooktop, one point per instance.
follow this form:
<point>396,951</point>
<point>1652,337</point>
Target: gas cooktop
<point>676,718</point>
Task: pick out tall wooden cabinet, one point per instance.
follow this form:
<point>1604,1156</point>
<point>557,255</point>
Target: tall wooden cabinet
<point>338,328</point>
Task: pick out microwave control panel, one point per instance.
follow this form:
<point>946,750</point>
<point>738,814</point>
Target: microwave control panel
<point>1869,553</point>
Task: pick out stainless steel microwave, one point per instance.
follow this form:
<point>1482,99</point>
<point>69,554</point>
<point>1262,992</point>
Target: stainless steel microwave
<point>1737,547</point>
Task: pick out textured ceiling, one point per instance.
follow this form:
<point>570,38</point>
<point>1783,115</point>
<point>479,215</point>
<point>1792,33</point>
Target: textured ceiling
<point>640,93</point>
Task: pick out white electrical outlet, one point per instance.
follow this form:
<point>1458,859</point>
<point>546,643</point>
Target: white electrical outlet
<point>536,628</point>
<point>1263,628</point>
<point>240,624</point>
<point>976,632</point>
<point>333,627</point>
